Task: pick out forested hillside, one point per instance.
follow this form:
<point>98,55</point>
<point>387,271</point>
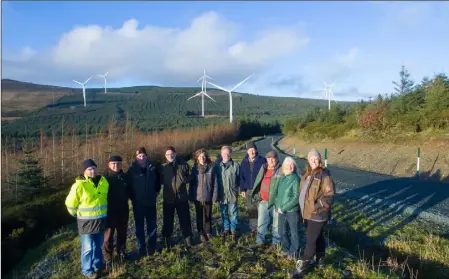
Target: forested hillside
<point>415,108</point>
<point>148,108</point>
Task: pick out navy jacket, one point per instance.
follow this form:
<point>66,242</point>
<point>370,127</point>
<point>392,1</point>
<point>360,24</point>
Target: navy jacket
<point>247,178</point>
<point>144,186</point>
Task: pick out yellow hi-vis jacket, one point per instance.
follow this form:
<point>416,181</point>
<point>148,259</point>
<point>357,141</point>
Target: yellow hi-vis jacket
<point>87,202</point>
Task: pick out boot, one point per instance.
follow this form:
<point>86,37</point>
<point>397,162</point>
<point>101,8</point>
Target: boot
<point>188,241</point>
<point>209,236</point>
<point>203,237</point>
<point>167,242</point>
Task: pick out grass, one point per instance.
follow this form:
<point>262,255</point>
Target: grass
<point>410,250</point>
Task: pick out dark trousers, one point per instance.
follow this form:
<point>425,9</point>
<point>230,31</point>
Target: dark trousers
<point>148,214</point>
<point>252,210</point>
<point>115,224</point>
<point>203,217</point>
<point>182,209</point>
<point>289,232</point>
<point>315,243</point>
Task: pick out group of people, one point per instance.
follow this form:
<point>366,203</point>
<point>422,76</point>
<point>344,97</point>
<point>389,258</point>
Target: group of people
<point>275,194</point>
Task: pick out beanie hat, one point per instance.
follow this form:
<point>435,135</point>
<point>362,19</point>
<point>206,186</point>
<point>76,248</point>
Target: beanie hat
<point>170,148</point>
<point>272,154</point>
<point>115,158</point>
<point>141,150</point>
<point>312,153</point>
<point>251,145</point>
<point>88,163</point>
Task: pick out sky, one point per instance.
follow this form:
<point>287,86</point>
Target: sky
<point>290,47</point>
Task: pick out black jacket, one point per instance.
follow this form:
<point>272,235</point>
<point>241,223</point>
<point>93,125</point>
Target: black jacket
<point>118,194</point>
<point>145,184</point>
<point>248,177</point>
<point>174,177</point>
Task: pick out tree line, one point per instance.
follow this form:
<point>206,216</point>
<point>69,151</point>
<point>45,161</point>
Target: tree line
<point>413,107</point>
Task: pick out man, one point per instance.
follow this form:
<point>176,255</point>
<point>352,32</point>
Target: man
<point>264,191</point>
<point>145,186</point>
<point>175,174</point>
<point>88,202</point>
<point>249,168</point>
<point>118,209</point>
<point>228,181</point>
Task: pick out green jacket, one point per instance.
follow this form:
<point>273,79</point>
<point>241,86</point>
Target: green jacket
<point>287,194</point>
<point>255,196</point>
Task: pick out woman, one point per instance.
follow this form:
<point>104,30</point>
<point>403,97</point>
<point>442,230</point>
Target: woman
<point>316,198</point>
<point>203,192</point>
<point>88,202</point>
<point>286,205</point>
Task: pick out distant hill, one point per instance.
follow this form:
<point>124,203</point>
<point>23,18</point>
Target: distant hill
<point>146,107</point>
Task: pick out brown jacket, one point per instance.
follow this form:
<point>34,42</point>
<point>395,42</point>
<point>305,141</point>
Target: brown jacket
<point>175,177</point>
<point>320,196</point>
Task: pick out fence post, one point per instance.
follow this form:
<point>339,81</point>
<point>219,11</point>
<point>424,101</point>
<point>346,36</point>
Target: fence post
<point>325,157</point>
<point>417,162</point>
<point>294,150</point>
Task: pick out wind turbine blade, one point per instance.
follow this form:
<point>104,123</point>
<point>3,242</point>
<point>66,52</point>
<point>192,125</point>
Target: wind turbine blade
<point>197,94</point>
<point>333,83</point>
<point>199,79</point>
<point>78,82</point>
<point>106,74</point>
<point>219,87</point>
<point>209,96</point>
<point>208,77</point>
<point>87,80</point>
<point>241,82</point>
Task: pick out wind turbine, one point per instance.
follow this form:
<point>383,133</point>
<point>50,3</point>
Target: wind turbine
<point>104,76</point>
<point>84,89</point>
<point>328,92</point>
<point>230,93</point>
<point>203,92</point>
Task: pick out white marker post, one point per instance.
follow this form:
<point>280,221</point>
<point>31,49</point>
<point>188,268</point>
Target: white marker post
<point>294,150</point>
<point>417,162</point>
<point>325,157</point>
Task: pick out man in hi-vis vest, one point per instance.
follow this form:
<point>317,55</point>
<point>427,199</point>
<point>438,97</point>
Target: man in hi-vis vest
<point>88,202</point>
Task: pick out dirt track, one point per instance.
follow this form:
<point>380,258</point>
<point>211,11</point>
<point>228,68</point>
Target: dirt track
<point>391,159</point>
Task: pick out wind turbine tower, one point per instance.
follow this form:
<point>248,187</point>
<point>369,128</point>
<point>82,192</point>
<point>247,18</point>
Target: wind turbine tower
<point>104,76</point>
<point>203,91</point>
<point>328,92</point>
<point>84,89</point>
<point>230,93</point>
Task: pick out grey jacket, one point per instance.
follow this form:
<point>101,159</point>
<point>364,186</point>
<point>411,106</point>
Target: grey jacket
<point>228,181</point>
<point>203,187</point>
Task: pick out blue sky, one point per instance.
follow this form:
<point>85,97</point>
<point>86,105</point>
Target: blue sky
<point>290,46</point>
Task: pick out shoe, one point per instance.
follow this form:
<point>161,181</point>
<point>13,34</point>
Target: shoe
<point>301,266</point>
<point>143,252</point>
<point>226,232</point>
<point>234,236</point>
<point>209,236</point>
<point>93,275</point>
<point>256,245</point>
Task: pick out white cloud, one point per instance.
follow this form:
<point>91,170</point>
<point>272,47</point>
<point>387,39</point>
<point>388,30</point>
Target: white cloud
<point>157,54</point>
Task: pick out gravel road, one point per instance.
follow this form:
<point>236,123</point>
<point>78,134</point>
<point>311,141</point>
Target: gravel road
<point>428,200</point>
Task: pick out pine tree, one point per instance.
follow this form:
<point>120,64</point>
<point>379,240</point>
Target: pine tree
<point>405,84</point>
<point>29,177</point>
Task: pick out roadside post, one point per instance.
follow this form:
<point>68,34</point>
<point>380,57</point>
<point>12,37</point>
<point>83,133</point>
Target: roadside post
<point>325,157</point>
<point>294,150</point>
<point>417,162</point>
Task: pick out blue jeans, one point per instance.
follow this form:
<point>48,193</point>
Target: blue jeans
<point>289,231</point>
<point>91,253</point>
<point>233,222</point>
<point>265,218</point>
<point>148,213</point>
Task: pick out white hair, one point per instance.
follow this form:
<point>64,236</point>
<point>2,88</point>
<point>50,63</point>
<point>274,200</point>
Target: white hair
<point>289,159</point>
